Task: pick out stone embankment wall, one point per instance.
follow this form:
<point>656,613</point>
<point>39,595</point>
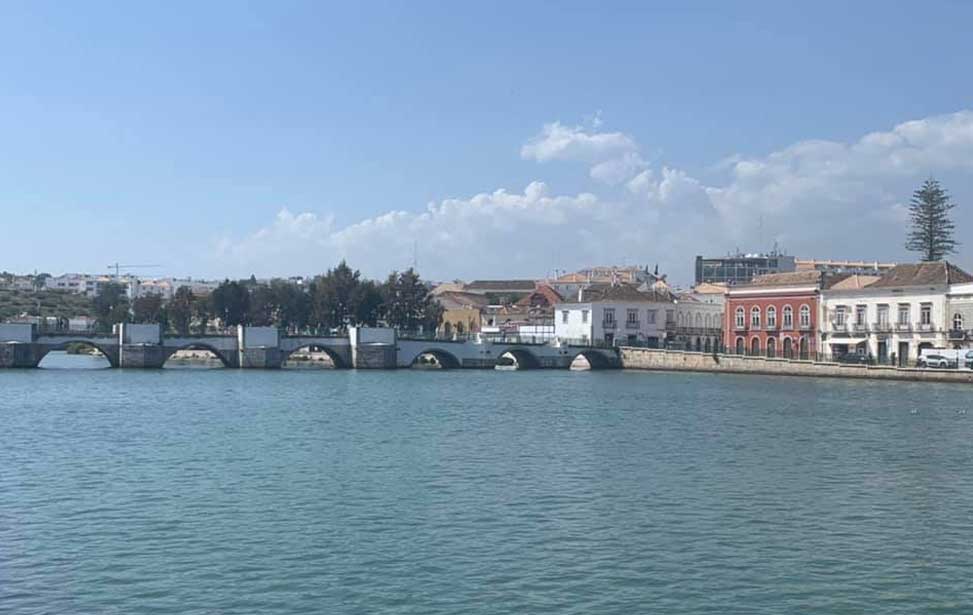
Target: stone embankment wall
<point>683,361</point>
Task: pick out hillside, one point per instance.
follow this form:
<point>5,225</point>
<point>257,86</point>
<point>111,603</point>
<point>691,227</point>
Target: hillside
<point>52,303</point>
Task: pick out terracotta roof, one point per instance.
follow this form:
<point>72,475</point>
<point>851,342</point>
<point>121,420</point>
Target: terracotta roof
<point>619,293</point>
<point>709,288</point>
<point>923,274</point>
<point>851,282</point>
<point>542,291</point>
<point>791,278</point>
<point>454,299</point>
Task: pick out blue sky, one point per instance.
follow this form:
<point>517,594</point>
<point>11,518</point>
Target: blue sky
<point>276,138</point>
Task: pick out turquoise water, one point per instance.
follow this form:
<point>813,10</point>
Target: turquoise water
<point>226,491</point>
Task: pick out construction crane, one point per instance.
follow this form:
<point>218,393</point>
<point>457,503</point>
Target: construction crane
<point>118,267</point>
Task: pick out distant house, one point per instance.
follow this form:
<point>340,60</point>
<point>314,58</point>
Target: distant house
<point>774,315</point>
<point>909,308</point>
<point>621,313</point>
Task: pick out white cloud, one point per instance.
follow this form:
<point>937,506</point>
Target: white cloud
<point>819,198</point>
<point>559,142</point>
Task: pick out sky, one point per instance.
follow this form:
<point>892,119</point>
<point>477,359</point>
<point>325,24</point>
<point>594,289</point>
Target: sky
<point>502,139</point>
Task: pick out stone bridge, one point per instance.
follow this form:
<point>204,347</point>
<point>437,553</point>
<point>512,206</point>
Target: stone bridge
<point>144,346</point>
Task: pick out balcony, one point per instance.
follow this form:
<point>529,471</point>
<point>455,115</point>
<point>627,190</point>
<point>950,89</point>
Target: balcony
<point>903,326</point>
<point>882,327</point>
<point>859,327</point>
<point>740,326</point>
<point>608,324</point>
<point>839,326</point>
<point>957,335</point>
<point>806,326</point>
<point>631,324</point>
<point>925,327</point>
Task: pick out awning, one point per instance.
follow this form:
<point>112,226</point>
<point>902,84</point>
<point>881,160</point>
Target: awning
<point>847,341</point>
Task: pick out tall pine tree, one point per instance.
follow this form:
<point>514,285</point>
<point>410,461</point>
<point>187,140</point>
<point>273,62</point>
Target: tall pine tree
<point>932,230</point>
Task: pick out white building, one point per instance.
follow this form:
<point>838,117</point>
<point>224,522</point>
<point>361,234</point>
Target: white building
<point>900,313</point>
<point>959,312</point>
<point>622,314</point>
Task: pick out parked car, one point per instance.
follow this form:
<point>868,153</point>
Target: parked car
<point>935,361</point>
<point>969,359</point>
<point>854,358</point>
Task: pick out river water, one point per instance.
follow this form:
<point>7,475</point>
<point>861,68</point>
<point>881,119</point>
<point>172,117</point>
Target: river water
<point>228,491</point>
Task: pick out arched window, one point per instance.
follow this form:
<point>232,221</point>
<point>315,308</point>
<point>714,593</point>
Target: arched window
<point>771,347</point>
<point>755,317</point>
<point>788,317</point>
<point>755,347</point>
<point>788,348</point>
<point>805,317</point>
<point>771,317</point>
<point>741,318</point>
<point>957,322</point>
<point>699,320</point>
<point>741,346</point>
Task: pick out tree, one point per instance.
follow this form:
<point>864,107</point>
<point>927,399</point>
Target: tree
<point>180,310</point>
<point>367,301</point>
<point>292,304</point>
<point>333,297</point>
<point>147,309</point>
<point>932,230</point>
<point>408,304</point>
<point>230,303</point>
<point>263,306</point>
<point>202,314</point>
<point>111,306</point>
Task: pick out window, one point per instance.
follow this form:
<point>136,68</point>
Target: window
<point>699,320</point>
<point>564,317</point>
<point>610,316</point>
<point>957,322</point>
<point>788,317</point>
<point>584,316</point>
<point>903,314</point>
<point>755,317</point>
<point>839,316</point>
<point>741,318</point>
<point>632,317</point>
<point>883,315</point>
<point>670,317</point>
<point>650,317</point>
<point>925,314</point>
<point>860,311</point>
<point>805,317</point>
<point>771,317</point>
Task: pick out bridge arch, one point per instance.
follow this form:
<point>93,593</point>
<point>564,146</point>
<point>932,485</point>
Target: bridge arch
<point>596,359</point>
<point>219,354</point>
<point>336,359</point>
<point>446,360</point>
<point>62,345</point>
<point>525,358</point>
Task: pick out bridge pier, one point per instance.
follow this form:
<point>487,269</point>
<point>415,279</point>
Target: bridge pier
<point>141,356</point>
<point>260,358</point>
<point>19,355</point>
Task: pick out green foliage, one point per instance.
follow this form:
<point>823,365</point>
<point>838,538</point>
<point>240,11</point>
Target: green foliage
<point>408,305</point>
<point>111,306</point>
<point>932,230</point>
<point>62,305</point>
<point>180,310</point>
<point>230,302</point>
<point>148,309</point>
<point>335,297</point>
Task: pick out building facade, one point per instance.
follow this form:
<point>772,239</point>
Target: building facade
<point>910,308</point>
<point>775,315</point>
